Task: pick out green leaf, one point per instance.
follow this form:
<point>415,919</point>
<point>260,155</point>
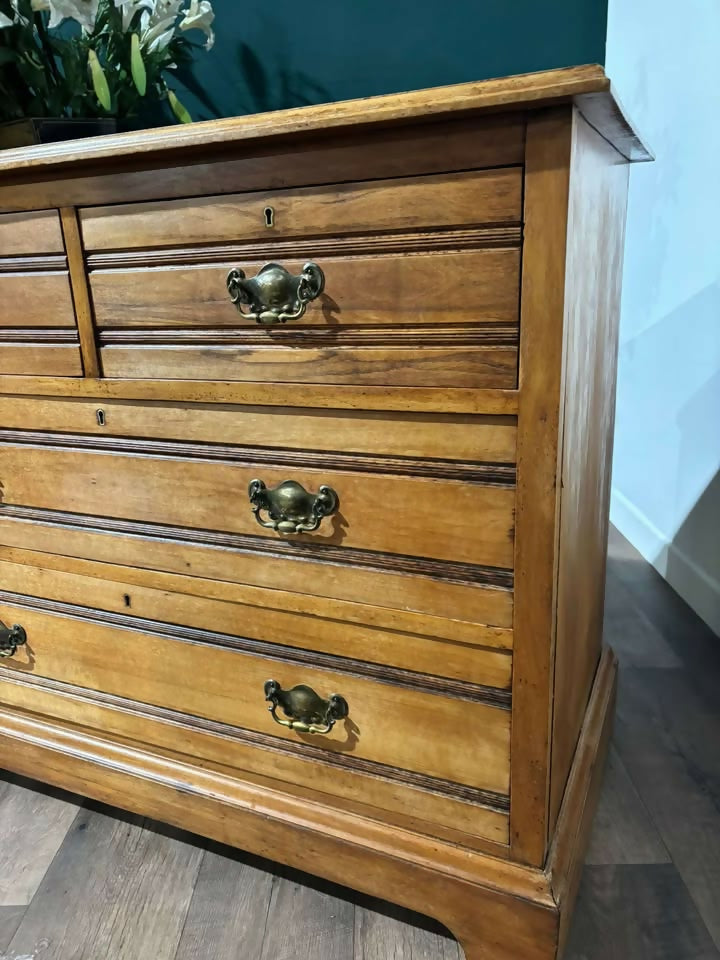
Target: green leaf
<point>99,81</point>
<point>178,109</point>
<point>137,65</point>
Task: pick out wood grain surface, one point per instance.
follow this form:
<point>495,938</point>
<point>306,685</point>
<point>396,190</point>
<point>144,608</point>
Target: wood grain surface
<point>435,590</point>
<point>384,719</point>
<point>415,148</point>
<point>443,437</point>
<point>441,400</point>
<point>518,92</point>
<point>80,291</point>
<point>539,423</point>
<point>410,203</point>
<point>214,497</point>
<point>36,300</point>
<point>30,233</point>
<point>476,655</point>
<point>417,365</point>
<point>598,196</point>
<point>39,358</point>
<point>396,291</point>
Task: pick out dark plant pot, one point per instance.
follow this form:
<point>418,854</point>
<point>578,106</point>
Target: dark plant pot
<point>25,133</point>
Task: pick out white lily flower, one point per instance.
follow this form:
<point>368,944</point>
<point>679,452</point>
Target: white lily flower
<point>83,11</point>
<point>128,9</point>
<point>158,24</point>
<point>199,16</point>
<point>5,21</point>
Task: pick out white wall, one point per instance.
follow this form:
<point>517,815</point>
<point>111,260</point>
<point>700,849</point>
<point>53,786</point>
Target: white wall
<point>664,58</point>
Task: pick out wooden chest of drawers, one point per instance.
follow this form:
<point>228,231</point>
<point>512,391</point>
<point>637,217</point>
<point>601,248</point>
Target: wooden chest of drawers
<point>327,586</point>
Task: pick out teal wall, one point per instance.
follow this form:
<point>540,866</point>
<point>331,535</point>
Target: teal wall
<point>268,56</point>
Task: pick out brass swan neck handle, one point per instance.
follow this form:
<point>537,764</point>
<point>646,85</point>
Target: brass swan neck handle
<point>11,638</point>
<point>289,508</point>
<point>275,295</point>
<point>304,710</point>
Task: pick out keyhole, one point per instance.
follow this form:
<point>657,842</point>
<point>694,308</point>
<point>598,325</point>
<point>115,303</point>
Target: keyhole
<point>126,599</point>
<point>269,217</point>
<point>100,418</point>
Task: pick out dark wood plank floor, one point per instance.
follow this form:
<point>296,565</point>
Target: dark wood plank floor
<point>79,881</point>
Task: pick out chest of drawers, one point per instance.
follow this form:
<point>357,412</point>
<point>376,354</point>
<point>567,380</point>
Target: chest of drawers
<point>305,438</point>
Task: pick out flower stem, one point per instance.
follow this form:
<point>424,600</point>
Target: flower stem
<point>41,28</point>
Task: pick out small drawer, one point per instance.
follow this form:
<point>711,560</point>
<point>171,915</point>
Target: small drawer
<point>218,678</point>
<point>38,334</point>
<point>29,234</point>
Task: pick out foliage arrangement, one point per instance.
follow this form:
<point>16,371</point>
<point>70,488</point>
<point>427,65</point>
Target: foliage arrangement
<point>95,58</point>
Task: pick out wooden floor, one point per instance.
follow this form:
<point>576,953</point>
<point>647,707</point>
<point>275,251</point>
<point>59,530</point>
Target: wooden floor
<point>79,881</point>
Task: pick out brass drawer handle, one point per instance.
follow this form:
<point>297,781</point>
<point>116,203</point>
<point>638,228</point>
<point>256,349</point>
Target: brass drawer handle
<point>290,508</point>
<point>306,711</point>
<point>274,295</point>
<point>11,638</point>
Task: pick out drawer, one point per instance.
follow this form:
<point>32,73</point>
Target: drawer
<point>375,207</point>
<point>448,739</point>
<point>397,307</point>
<point>69,488</point>
<point>461,815</point>
<point>31,233</point>
<point>38,335</point>
<point>384,506</point>
<point>437,319</point>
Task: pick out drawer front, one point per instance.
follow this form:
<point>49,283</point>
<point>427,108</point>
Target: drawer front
<point>185,486</point>
<point>436,319</point>
<point>90,504</point>
<point>398,307</point>
<point>410,203</point>
<point>458,814</point>
<point>38,336</point>
<point>451,739</point>
<point>31,233</point>
<point>389,292</point>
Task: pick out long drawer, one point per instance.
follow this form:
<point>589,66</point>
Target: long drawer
<point>114,492</point>
<point>217,678</point>
<point>205,490</point>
